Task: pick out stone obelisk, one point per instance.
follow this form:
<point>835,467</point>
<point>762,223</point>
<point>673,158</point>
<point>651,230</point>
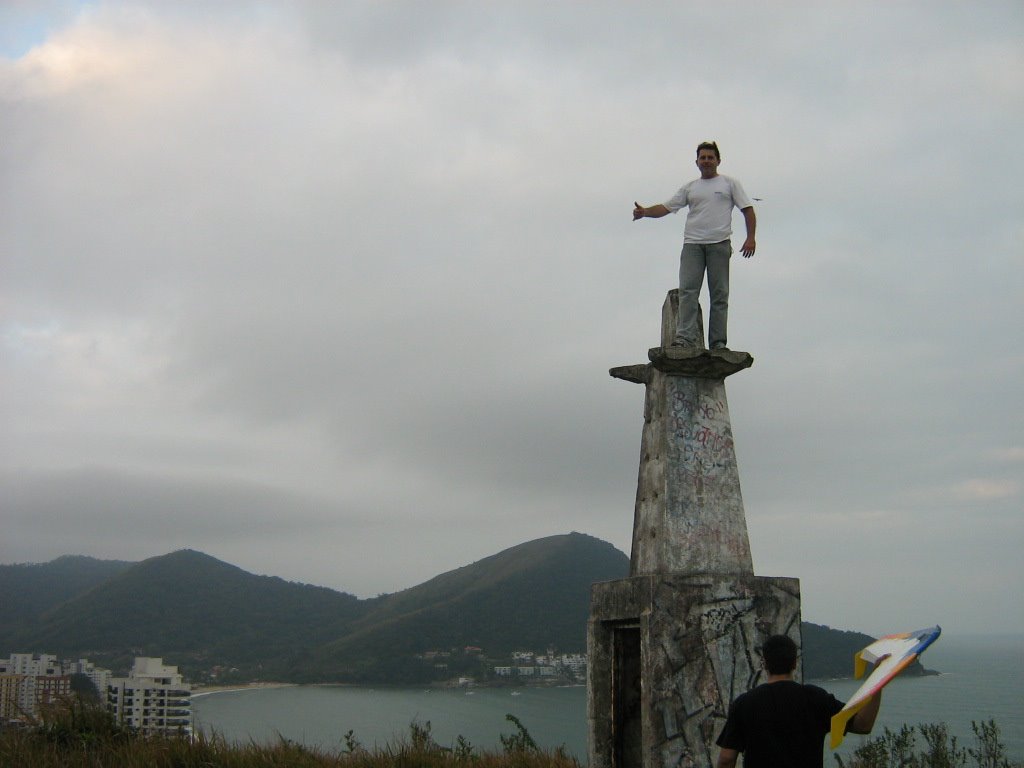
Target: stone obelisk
<point>672,645</point>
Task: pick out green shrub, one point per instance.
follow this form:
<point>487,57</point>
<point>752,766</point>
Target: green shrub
<point>899,749</point>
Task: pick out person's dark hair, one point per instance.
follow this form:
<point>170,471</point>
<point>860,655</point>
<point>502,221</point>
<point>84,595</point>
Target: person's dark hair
<point>712,146</point>
<point>779,653</point>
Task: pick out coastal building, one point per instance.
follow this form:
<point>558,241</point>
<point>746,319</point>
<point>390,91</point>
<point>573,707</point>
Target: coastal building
<point>100,677</point>
<point>576,663</point>
<point>153,699</point>
<point>28,684</point>
<point>9,685</point>
<point>526,664</point>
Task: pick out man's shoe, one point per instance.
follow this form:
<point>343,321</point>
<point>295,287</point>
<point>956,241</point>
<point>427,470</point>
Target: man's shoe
<point>720,348</point>
<point>683,343</point>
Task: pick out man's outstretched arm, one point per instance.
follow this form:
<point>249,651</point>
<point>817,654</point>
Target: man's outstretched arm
<point>727,757</point>
<point>654,212</point>
<point>864,720</point>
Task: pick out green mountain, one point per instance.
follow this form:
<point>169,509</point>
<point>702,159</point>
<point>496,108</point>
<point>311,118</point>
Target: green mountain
<point>531,597</point>
<point>194,610</point>
<point>28,590</point>
<point>202,614</point>
<point>828,653</point>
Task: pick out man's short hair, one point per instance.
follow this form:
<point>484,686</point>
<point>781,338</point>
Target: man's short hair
<point>779,653</point>
<point>712,146</point>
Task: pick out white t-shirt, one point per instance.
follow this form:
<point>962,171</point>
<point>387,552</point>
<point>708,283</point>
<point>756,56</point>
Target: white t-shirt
<point>711,202</point>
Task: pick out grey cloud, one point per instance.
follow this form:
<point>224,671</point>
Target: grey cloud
<point>132,510</point>
<point>318,280</point>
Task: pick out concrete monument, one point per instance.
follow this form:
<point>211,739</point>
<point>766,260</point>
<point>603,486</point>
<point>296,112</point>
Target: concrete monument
<point>672,645</point>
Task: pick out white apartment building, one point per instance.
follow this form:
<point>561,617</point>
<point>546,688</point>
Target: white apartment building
<point>549,666</point>
<point>30,664</point>
<point>575,662</point>
<point>28,683</point>
<point>100,677</point>
<point>153,699</point>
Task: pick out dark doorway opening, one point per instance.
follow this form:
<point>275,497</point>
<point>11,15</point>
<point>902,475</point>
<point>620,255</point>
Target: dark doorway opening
<point>626,719</point>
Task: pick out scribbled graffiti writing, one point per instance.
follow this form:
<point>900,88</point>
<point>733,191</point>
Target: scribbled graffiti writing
<point>700,433</point>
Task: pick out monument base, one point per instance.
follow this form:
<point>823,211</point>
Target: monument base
<point>668,653</point>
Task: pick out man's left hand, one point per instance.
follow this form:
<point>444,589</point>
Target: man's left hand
<point>748,248</point>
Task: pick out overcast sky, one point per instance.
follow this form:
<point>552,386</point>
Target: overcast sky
<point>330,291</point>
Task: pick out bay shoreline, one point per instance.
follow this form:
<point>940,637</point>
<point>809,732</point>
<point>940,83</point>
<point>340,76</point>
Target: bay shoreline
<point>206,690</point>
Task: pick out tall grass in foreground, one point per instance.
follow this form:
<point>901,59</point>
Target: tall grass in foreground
<point>82,736</point>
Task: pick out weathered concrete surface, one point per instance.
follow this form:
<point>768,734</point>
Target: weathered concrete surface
<point>672,645</point>
<point>679,361</point>
<point>637,374</point>
<point>699,363</point>
<point>689,515</point>
<point>669,313</point>
<point>697,635</point>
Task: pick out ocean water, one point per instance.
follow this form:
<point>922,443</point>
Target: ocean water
<point>982,679</point>
<point>321,715</point>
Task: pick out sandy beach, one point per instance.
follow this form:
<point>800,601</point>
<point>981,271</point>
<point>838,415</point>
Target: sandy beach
<point>204,690</point>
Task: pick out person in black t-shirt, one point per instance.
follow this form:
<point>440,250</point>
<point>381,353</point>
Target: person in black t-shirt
<point>782,723</point>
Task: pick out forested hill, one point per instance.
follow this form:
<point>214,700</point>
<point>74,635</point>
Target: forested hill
<point>533,596</point>
<point>203,614</point>
<point>27,590</point>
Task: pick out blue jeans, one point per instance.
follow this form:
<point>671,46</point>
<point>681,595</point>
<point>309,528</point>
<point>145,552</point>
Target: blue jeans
<point>695,259</point>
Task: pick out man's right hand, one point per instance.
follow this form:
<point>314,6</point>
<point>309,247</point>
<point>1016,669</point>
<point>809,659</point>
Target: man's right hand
<point>638,211</point>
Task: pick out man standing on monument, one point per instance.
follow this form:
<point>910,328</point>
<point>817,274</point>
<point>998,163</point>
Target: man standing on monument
<point>706,245</point>
<point>782,722</point>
